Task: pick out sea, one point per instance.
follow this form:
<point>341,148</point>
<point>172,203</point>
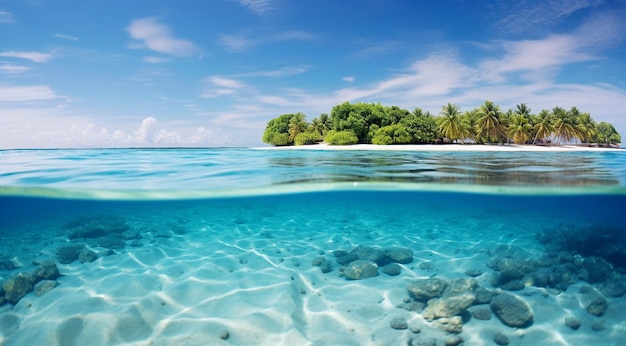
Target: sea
<point>246,246</point>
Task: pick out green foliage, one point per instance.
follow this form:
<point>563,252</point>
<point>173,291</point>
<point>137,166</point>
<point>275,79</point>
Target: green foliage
<point>565,124</point>
<point>519,129</point>
<point>341,138</point>
<point>450,123</point>
<point>297,124</point>
<point>391,134</point>
<point>304,138</point>
<point>489,127</point>
<point>277,131</point>
<point>358,118</point>
<point>543,126</point>
<point>421,126</point>
<point>607,134</point>
<point>373,123</point>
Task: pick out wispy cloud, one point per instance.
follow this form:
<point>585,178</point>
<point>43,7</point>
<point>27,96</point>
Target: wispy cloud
<point>154,59</point>
<point>530,16</point>
<point>241,42</point>
<point>258,7</point>
<point>236,43</point>
<point>26,93</point>
<point>282,72</point>
<point>66,37</point>
<point>32,56</point>
<point>6,17</point>
<point>348,79</point>
<point>555,51</point>
<point>7,68</point>
<point>216,86</point>
<point>153,35</point>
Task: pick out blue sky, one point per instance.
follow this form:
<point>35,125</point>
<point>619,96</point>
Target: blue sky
<point>99,73</point>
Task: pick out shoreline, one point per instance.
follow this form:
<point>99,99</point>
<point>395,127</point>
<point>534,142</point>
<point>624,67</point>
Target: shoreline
<point>443,147</point>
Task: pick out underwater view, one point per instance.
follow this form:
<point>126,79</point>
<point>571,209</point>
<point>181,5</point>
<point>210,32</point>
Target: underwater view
<point>233,246</point>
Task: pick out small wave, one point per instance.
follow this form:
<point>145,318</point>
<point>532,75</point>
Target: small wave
<point>285,189</point>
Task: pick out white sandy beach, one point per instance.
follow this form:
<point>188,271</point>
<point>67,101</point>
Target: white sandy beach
<point>443,147</point>
<point>230,282</point>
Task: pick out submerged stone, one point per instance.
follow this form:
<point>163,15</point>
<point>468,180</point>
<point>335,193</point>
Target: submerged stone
<point>346,259</point>
<point>400,255</point>
<point>86,255</point>
<point>452,325</point>
<point>46,271</point>
<point>425,289</point>
<point>398,323</point>
<point>598,306</point>
<point>17,287</point>
<point>448,306</point>
<point>500,339</point>
<point>67,254</point>
<point>512,310</point>
<point>95,226</point>
<point>392,269</point>
<point>373,254</point>
<point>44,286</point>
<point>361,269</point>
<point>572,322</point>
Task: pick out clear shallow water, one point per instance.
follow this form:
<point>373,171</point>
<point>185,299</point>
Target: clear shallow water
<point>180,173</point>
<point>226,238</point>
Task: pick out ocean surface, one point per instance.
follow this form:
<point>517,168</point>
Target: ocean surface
<point>225,245</point>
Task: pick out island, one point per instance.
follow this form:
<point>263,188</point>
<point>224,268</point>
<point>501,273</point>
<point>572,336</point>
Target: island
<point>373,123</point>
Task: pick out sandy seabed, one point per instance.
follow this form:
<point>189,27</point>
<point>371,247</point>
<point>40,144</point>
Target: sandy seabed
<point>240,283</point>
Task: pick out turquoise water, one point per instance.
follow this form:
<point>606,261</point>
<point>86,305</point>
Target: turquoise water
<point>222,231</point>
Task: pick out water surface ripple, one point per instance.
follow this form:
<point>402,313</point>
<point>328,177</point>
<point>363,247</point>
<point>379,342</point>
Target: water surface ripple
<point>218,169</point>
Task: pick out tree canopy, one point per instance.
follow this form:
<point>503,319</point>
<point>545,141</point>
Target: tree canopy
<point>373,123</point>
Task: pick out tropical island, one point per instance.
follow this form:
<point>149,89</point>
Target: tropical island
<point>373,123</point>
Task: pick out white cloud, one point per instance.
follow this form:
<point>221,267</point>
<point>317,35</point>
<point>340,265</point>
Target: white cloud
<point>534,55</point>
<point>32,56</point>
<point>240,43</point>
<point>534,16</point>
<point>44,128</point>
<point>291,35</point>
<point>65,37</point>
<point>348,79</point>
<point>154,60</point>
<point>6,17</point>
<point>225,82</point>
<point>155,36</point>
<point>220,86</point>
<point>26,93</point>
<point>7,68</point>
<point>282,72</point>
<point>258,7</point>
<point>234,43</point>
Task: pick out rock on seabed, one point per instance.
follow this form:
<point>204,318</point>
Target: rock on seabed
<point>361,269</point>
<point>512,310</point>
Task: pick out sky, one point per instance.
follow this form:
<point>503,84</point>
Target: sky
<point>195,73</point>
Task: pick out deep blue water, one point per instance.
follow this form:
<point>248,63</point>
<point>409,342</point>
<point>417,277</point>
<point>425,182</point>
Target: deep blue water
<point>339,197</point>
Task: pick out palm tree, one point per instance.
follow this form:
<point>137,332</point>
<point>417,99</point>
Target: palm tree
<point>318,126</point>
<point>543,126</point>
<point>586,127</point>
<point>488,124</point>
<point>469,120</point>
<point>519,129</point>
<point>297,124</point>
<point>450,123</point>
<point>523,110</point>
<point>326,120</point>
<point>564,125</point>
